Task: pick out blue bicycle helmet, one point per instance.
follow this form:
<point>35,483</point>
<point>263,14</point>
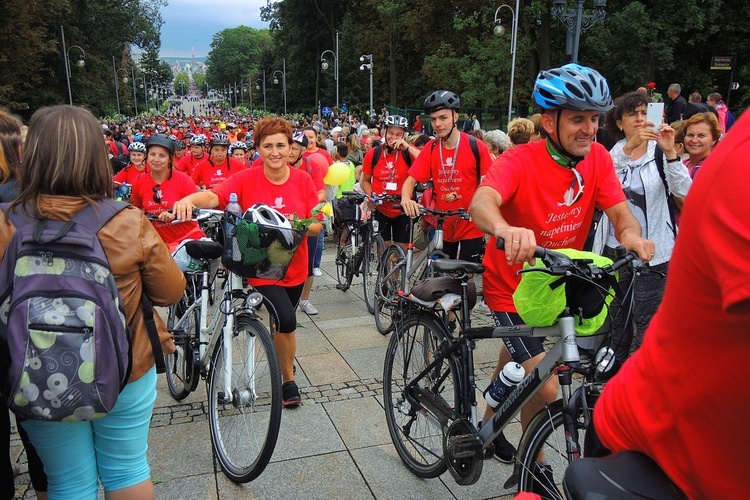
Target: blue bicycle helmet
<point>572,86</point>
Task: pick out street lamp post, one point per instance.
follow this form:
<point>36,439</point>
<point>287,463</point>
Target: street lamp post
<point>499,30</point>
<point>135,95</point>
<point>257,87</point>
<point>577,22</point>
<point>80,62</point>
<point>283,80</point>
<point>369,65</point>
<point>324,65</point>
<point>116,72</point>
<point>143,86</point>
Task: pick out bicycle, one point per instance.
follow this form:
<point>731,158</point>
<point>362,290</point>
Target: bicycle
<point>235,353</point>
<point>399,270</point>
<point>359,246</point>
<point>430,387</point>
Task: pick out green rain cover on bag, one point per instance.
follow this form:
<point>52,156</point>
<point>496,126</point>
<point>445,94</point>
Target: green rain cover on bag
<point>540,298</point>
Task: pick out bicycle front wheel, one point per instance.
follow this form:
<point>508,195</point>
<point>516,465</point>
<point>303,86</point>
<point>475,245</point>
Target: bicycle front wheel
<point>370,265</point>
<point>416,433</point>
<point>245,423</point>
<point>344,257</point>
<point>181,371</point>
<point>543,451</point>
<point>391,279</point>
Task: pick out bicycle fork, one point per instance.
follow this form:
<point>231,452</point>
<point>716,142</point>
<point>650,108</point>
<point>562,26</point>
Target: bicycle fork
<point>237,396</point>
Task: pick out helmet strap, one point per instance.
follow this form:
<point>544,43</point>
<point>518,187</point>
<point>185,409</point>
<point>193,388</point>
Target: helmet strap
<point>559,154</point>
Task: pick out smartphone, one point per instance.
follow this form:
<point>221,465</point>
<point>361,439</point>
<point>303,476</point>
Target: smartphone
<point>655,113</point>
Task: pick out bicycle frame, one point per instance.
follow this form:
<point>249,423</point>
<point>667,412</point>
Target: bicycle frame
<point>224,319</point>
<point>436,243</point>
<point>565,350</point>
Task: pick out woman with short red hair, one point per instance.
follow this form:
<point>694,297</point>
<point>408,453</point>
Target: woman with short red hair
<point>291,192</point>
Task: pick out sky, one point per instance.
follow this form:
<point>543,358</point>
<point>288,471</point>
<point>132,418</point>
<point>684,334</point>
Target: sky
<point>194,22</point>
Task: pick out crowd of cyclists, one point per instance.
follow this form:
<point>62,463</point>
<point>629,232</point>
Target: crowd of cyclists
<point>544,183</point>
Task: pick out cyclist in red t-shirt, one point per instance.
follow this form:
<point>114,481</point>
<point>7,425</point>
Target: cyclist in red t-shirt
<point>197,154</point>
<point>215,169</point>
<point>156,192</point>
<point>451,164</point>
<point>291,192</point>
<point>136,167</point>
<point>388,177</point>
<point>543,193</point>
<point>312,144</point>
<point>238,151</point>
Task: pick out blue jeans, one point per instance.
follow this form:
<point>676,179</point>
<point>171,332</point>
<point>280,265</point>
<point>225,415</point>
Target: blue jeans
<point>112,448</point>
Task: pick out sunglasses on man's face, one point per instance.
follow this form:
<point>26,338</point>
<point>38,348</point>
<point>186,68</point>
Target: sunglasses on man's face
<point>569,198</point>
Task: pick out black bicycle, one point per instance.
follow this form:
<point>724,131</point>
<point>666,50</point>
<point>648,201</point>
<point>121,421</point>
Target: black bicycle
<point>360,245</point>
<point>430,387</point>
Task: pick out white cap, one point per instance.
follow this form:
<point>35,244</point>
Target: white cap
<point>336,129</point>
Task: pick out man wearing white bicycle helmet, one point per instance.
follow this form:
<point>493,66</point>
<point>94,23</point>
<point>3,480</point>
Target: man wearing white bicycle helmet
<point>543,193</point>
<point>385,168</point>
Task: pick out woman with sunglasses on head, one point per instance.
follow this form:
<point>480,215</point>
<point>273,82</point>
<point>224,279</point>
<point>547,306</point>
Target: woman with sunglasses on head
<point>651,173</point>
<point>156,192</point>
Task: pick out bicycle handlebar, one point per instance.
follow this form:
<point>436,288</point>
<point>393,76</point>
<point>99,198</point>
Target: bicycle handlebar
<point>461,212</point>
<point>560,264</point>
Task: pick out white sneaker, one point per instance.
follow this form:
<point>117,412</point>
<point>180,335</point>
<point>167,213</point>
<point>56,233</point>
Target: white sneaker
<point>317,271</point>
<point>308,308</point>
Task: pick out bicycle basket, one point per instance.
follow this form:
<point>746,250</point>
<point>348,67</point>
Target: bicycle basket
<point>257,251</point>
<point>344,211</point>
<point>540,298</point>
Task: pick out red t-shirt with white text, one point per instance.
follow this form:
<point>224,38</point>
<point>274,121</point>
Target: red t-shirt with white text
<point>209,174</point>
<point>297,196</point>
<point>532,187</point>
<point>172,189</point>
<point>682,397</point>
<point>454,185</point>
<point>388,176</point>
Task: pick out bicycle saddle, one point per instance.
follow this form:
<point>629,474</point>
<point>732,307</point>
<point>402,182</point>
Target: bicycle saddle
<point>623,475</point>
<point>452,266</point>
<point>204,249</point>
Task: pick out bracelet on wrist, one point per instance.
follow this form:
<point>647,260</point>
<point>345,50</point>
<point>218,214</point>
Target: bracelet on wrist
<point>673,160</point>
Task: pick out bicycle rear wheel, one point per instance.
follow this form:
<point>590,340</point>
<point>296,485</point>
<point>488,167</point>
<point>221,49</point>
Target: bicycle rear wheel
<point>391,279</point>
<point>344,255</point>
<point>244,430</point>
<point>370,265</point>
<point>545,441</point>
<point>182,372</point>
<point>417,434</point>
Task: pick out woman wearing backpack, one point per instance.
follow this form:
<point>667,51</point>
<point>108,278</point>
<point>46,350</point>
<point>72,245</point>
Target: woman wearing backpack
<point>64,169</point>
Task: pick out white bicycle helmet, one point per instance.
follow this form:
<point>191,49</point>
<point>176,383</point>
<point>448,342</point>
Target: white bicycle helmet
<point>237,145</point>
<point>137,147</point>
<point>268,218</point>
<point>396,121</point>
<point>198,140</point>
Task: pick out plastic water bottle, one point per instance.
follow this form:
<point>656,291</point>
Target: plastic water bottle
<point>605,361</point>
<point>511,375</point>
<point>234,208</point>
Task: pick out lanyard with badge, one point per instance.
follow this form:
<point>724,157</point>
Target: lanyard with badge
<point>391,185</point>
<point>452,195</point>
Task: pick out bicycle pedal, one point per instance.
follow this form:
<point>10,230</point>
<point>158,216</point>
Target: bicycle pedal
<point>465,446</point>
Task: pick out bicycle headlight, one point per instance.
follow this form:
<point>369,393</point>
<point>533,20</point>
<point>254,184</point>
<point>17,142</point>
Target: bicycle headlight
<point>254,299</point>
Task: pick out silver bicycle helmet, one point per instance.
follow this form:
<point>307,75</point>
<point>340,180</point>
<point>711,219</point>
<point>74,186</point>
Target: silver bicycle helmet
<point>218,140</point>
<point>572,86</point>
<point>300,138</point>
<point>198,140</point>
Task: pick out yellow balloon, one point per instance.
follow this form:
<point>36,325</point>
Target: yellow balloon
<point>338,173</point>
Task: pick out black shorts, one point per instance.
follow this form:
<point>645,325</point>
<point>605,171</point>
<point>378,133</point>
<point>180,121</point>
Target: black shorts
<point>471,250</point>
<point>312,248</point>
<point>281,302</point>
<point>520,349</point>
<point>393,228</point>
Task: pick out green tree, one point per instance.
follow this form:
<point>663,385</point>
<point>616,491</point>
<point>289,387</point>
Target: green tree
<point>236,55</point>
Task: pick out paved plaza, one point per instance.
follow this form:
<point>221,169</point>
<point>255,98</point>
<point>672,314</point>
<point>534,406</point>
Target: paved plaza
<point>335,446</point>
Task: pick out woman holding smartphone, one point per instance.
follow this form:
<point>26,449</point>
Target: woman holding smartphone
<point>650,172</point>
